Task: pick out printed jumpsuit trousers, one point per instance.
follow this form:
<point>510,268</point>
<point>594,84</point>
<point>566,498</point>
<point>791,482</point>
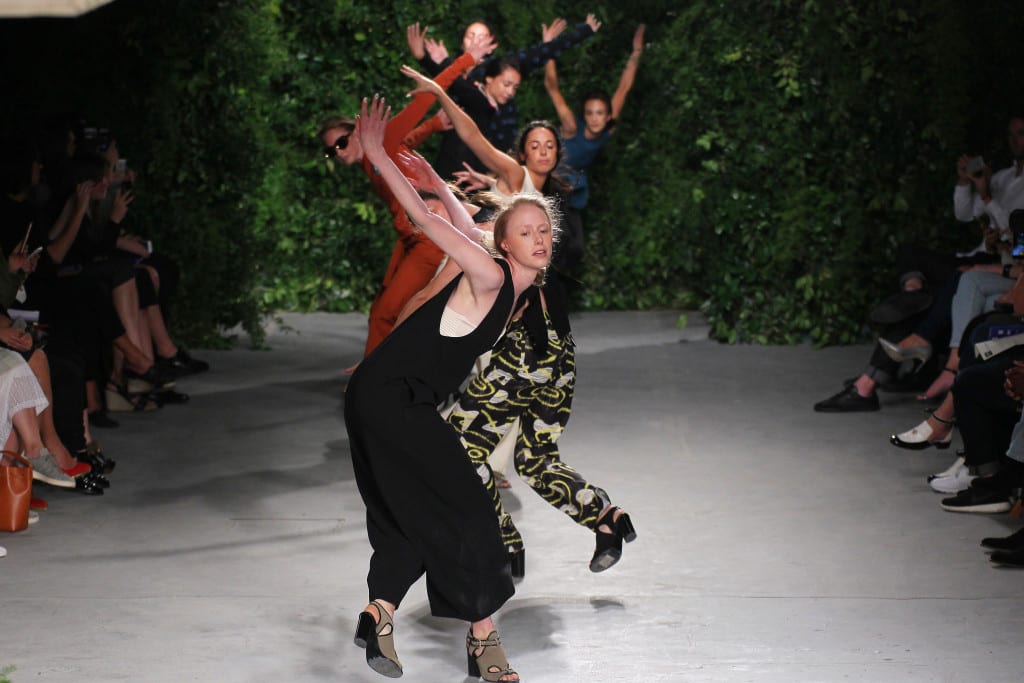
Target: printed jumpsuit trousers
<point>537,389</point>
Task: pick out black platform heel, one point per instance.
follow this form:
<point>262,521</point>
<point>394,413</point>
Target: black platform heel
<point>517,563</point>
<point>608,550</point>
<point>378,637</point>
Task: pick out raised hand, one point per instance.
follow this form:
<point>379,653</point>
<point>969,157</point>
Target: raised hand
<point>480,46</point>
<point>982,181</point>
<point>18,260</point>
<point>472,179</point>
<point>436,49</point>
<point>593,23</point>
<point>122,198</point>
<point>371,125</point>
<point>83,192</point>
<point>419,171</point>
<point>961,170</point>
<point>421,82</point>
<point>416,37</point>
<point>549,33</point>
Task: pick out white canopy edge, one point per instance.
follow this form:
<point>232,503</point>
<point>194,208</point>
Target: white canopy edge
<point>48,8</point>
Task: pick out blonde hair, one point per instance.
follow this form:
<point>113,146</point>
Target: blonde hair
<point>545,204</point>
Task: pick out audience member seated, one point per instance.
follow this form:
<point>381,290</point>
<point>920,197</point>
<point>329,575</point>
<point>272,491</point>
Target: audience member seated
<point>973,287</point>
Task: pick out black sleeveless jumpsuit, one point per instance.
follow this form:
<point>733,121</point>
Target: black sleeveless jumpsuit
<point>426,508</point>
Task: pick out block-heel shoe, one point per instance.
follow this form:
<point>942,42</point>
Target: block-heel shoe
<point>485,658</point>
<point>608,548</point>
<point>378,637</point>
<point>517,563</point>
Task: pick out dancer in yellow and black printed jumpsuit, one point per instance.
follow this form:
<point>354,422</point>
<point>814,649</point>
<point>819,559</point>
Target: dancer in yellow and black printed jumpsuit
<point>531,376</point>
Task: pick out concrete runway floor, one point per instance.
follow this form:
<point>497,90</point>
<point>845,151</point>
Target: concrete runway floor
<point>775,544</point>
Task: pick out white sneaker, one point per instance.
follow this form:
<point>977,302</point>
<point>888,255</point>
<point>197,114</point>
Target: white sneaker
<point>959,481</point>
<point>948,472</point>
<point>3,551</point>
<point>33,516</point>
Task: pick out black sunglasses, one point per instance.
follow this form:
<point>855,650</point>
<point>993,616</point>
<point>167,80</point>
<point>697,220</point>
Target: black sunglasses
<point>340,143</point>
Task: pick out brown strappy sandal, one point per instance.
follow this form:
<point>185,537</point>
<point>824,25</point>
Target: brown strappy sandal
<point>486,659</point>
<point>378,637</point>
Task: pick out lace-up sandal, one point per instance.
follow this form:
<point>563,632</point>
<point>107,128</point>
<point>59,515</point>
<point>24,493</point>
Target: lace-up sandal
<point>485,659</point>
<point>378,637</point>
<point>608,548</point>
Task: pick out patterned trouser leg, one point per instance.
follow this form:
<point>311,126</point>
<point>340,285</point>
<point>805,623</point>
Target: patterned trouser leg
<point>538,390</point>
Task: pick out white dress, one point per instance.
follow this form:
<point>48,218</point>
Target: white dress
<point>19,389</point>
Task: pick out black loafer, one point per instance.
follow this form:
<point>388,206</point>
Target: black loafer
<point>1006,558</point>
<point>847,401</point>
<point>88,486</point>
<point>1011,543</point>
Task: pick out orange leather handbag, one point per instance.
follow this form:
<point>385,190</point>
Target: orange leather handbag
<point>15,492</point>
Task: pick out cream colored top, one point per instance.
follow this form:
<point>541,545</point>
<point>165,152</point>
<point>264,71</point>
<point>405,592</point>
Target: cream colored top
<point>454,324</point>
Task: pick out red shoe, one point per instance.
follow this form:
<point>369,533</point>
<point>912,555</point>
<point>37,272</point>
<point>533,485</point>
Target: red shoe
<point>78,470</point>
<point>38,504</point>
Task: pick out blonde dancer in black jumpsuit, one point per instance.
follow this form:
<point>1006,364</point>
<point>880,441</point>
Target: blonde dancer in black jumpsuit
<point>426,510</point>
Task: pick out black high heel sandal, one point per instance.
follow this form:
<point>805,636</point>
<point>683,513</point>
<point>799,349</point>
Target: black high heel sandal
<point>609,543</point>
<point>378,637</point>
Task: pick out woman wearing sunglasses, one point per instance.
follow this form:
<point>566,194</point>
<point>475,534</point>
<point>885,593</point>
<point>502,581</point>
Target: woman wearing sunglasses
<point>415,258</point>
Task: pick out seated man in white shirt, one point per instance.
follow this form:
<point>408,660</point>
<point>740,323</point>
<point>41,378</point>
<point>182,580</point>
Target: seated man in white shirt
<point>978,191</point>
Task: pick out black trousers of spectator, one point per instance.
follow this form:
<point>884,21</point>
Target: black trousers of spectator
<point>985,414</point>
<point>67,377</point>
<point>80,308</point>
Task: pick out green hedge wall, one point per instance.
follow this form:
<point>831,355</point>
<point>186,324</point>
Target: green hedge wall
<point>771,156</point>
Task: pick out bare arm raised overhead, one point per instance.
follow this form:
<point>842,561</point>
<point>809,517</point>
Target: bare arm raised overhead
<point>565,115</point>
<point>418,167</point>
<point>629,72</point>
<point>508,170</point>
<point>484,276</point>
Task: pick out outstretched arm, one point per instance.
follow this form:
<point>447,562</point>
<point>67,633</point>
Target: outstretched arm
<point>565,115</point>
<point>474,260</point>
<point>628,73</point>
<point>417,167</point>
<point>504,166</point>
<point>554,41</point>
<point>407,119</point>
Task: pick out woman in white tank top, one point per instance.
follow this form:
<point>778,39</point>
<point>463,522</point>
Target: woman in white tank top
<point>539,147</point>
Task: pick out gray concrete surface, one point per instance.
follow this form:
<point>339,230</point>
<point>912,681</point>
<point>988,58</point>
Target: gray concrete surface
<point>775,544</point>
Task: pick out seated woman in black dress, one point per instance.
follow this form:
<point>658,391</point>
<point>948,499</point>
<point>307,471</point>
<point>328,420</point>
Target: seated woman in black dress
<point>426,509</point>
